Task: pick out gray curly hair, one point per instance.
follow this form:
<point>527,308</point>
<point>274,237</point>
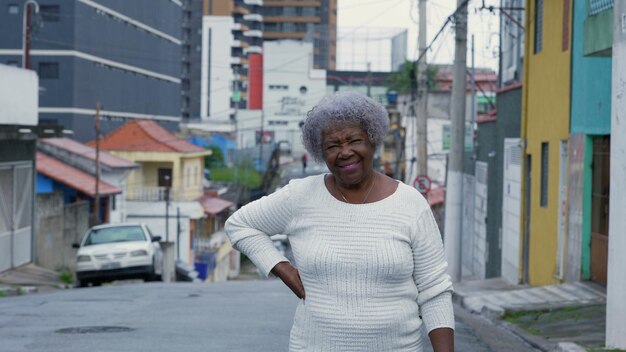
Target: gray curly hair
<point>343,108</point>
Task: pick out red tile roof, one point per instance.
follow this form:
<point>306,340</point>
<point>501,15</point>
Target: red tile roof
<point>146,136</point>
<point>88,152</point>
<point>72,177</point>
<point>214,205</point>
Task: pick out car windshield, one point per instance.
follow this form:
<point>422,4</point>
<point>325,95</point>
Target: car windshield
<point>115,234</point>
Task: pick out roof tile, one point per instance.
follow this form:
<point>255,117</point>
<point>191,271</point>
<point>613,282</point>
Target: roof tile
<point>88,152</point>
<point>147,136</point>
<point>72,177</point>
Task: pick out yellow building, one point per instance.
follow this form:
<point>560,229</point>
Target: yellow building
<point>166,162</point>
<point>545,132</point>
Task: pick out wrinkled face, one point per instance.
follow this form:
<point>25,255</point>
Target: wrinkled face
<point>348,153</point>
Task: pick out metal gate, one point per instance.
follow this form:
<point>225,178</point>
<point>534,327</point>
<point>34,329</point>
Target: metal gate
<point>511,202</point>
<point>481,246</point>
<point>16,208</point>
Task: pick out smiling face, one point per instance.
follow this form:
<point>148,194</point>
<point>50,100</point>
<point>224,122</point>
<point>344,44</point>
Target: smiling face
<point>348,153</point>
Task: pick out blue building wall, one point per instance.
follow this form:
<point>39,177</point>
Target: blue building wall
<point>47,185</point>
<point>223,142</point>
<point>591,83</point>
<point>83,82</point>
<point>44,184</point>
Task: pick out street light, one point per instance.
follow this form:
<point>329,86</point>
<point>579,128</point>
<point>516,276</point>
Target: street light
<point>26,29</point>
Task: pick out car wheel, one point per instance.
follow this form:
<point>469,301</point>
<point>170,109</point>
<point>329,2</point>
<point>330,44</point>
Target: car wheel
<point>153,276</point>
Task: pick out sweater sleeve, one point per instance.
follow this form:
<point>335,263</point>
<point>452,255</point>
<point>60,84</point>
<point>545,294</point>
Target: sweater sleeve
<point>249,228</point>
<point>433,283</point>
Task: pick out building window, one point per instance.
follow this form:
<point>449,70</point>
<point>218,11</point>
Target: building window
<point>278,87</point>
<point>544,174</point>
<point>538,26</point>
<point>48,70</point>
<point>49,13</point>
<point>13,9</point>
<point>597,6</point>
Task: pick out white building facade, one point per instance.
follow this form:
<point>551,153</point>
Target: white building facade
<point>291,87</point>
<point>217,75</point>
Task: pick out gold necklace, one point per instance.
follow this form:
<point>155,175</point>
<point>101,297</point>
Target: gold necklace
<point>364,199</point>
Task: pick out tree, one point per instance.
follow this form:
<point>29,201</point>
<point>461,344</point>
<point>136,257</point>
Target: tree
<point>216,159</point>
<point>404,82</point>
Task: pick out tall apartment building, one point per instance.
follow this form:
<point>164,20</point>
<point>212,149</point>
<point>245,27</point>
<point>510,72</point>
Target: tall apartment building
<point>116,53</point>
<point>230,37</point>
<point>223,55</point>
<point>309,21</point>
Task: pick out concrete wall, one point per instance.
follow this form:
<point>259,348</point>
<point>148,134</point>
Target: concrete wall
<point>58,227</point>
<point>616,304</point>
<point>490,149</point>
<point>575,228</point>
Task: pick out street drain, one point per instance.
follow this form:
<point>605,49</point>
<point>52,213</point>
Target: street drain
<point>94,330</point>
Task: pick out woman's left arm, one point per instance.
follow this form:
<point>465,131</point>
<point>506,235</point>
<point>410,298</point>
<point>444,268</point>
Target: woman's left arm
<point>433,282</point>
<point>442,339</point>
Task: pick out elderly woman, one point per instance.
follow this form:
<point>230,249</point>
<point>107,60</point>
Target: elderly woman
<point>369,265</point>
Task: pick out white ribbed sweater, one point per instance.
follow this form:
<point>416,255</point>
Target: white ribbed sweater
<point>369,270</point>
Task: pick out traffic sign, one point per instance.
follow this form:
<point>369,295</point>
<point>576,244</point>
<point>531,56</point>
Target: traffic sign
<point>422,183</point>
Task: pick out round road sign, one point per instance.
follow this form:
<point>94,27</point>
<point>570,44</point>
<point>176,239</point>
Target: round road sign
<point>422,183</point>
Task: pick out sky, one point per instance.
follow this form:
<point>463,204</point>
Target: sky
<point>484,25</point>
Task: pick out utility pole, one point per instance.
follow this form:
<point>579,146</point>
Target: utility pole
<point>454,183</point>
<point>422,96</point>
<point>96,201</point>
<point>27,31</point>
<point>369,79</point>
<point>177,232</point>
<point>473,88</point>
<point>167,208</point>
<point>261,137</point>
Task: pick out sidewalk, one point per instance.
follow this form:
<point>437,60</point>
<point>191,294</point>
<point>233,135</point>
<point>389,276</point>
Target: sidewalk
<point>560,318</point>
<point>27,279</point>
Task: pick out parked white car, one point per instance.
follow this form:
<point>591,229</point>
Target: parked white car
<point>118,251</point>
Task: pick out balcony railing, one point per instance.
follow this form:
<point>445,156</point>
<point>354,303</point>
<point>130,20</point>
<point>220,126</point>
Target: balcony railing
<point>148,193</point>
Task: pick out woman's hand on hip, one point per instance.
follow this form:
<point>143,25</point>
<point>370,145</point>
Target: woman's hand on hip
<point>290,276</point>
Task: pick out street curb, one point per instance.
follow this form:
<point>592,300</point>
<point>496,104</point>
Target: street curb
<point>569,347</point>
<point>535,341</point>
<point>21,290</point>
<point>495,313</point>
<point>12,291</point>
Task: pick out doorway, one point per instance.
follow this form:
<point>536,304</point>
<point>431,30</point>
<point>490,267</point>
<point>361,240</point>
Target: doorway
<point>600,172</point>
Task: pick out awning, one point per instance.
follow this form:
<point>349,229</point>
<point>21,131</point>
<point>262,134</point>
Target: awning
<point>214,205</point>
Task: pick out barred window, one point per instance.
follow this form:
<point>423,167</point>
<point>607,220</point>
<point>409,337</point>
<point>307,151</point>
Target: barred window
<point>538,26</point>
<point>544,173</point>
<point>597,6</point>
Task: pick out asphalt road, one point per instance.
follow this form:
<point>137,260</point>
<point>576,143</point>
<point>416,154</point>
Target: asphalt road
<point>235,316</point>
